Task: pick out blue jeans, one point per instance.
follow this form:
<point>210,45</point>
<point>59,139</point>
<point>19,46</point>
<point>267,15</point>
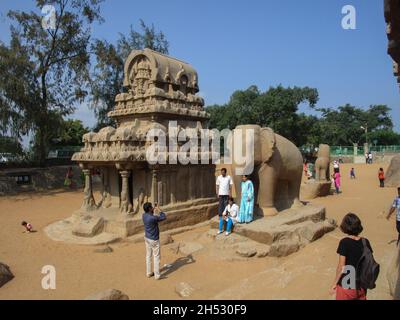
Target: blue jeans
<point>229,224</point>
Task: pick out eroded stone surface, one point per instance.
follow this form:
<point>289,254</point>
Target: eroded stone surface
<point>109,294</point>
<point>5,274</point>
<point>283,234</point>
<point>393,173</point>
<point>88,226</point>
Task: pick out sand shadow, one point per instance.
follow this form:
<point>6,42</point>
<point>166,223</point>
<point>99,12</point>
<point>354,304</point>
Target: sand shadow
<point>178,263</point>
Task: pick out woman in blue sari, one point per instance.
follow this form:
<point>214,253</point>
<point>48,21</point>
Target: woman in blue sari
<point>247,201</point>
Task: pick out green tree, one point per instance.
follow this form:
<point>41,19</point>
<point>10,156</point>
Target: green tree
<point>384,137</point>
<point>10,145</point>
<point>70,133</point>
<point>276,108</point>
<point>44,71</point>
<point>108,73</point>
<point>343,126</point>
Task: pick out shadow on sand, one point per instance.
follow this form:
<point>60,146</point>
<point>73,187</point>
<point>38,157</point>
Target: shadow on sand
<point>178,263</point>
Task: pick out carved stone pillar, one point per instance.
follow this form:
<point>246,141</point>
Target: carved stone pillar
<point>88,201</point>
<point>126,204</point>
<point>154,186</point>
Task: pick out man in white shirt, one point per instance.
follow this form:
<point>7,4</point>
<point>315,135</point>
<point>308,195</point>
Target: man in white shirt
<point>223,188</point>
<point>229,216</point>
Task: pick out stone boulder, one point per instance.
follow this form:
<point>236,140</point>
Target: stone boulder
<point>5,274</point>
<point>246,250</point>
<point>313,189</point>
<point>87,226</point>
<point>109,294</point>
<point>312,231</point>
<point>393,173</point>
<point>284,247</point>
<point>393,274</point>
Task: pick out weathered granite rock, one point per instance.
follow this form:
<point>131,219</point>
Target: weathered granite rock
<point>88,226</point>
<point>393,173</point>
<point>263,251</point>
<point>109,294</point>
<point>393,274</point>
<point>313,231</point>
<point>313,189</point>
<point>184,289</point>
<point>284,248</point>
<point>246,250</point>
<point>5,274</point>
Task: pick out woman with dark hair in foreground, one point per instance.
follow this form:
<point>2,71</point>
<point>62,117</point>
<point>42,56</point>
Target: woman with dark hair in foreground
<point>350,250</point>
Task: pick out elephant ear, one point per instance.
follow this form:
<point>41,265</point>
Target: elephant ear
<point>268,143</point>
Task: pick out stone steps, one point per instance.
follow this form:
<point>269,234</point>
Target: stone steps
<point>286,232</point>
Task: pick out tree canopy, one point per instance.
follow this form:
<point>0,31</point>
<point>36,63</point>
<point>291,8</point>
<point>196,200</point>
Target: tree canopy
<point>278,108</point>
<point>44,69</point>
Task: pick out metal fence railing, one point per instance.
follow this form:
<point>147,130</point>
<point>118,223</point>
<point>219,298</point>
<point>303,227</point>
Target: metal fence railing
<point>349,150</point>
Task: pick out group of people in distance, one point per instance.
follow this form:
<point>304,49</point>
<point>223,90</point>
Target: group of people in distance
<point>229,212</point>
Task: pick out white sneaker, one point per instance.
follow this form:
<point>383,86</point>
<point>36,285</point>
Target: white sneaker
<point>227,233</point>
<point>219,232</point>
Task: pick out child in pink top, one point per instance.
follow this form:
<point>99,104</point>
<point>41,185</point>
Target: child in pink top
<point>336,178</point>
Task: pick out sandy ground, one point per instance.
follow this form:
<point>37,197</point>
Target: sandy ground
<point>306,274</point>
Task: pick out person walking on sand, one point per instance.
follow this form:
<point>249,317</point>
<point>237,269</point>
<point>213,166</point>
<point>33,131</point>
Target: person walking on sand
<point>247,201</point>
<point>223,189</point>
<point>152,238</point>
<point>350,251</point>
<point>396,207</point>
<point>381,177</point>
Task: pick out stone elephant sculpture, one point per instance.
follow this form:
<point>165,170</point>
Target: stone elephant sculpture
<point>276,172</point>
<point>322,163</point>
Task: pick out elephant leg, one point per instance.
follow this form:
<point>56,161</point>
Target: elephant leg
<point>294,192</point>
<point>318,173</point>
<point>267,189</point>
<point>322,174</point>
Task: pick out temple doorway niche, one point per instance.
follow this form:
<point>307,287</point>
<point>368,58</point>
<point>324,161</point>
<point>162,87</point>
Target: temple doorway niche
<point>115,187</point>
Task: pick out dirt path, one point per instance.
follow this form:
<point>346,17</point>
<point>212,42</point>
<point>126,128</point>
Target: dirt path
<point>80,271</point>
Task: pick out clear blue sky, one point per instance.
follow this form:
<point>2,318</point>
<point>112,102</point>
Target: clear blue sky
<point>235,44</point>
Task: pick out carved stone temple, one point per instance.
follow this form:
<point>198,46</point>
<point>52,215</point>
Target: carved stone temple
<point>159,89</point>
